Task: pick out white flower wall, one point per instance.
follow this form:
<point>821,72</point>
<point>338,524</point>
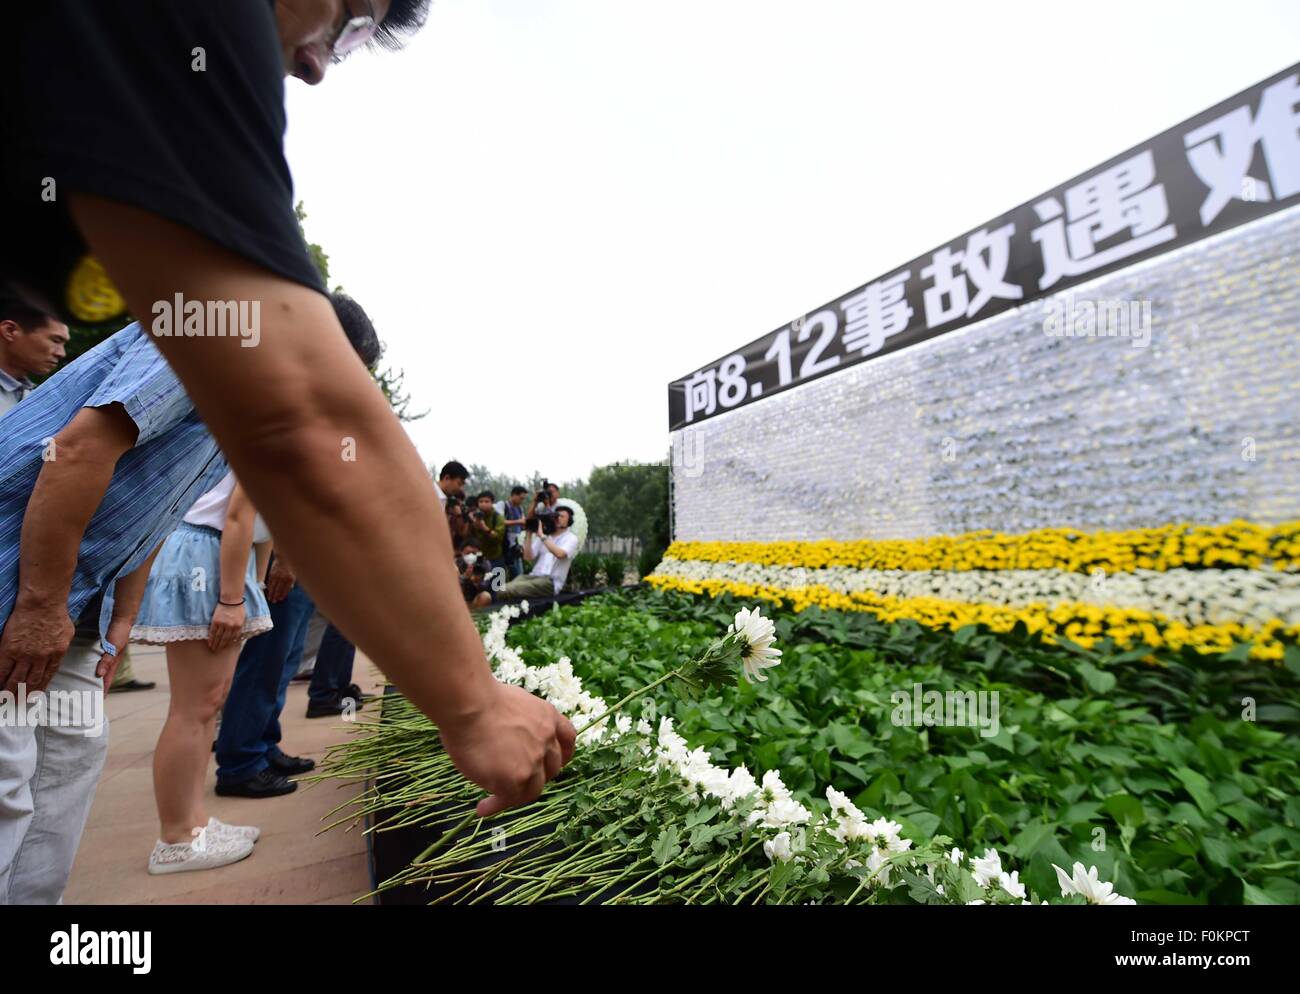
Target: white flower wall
<point>1001,427</point>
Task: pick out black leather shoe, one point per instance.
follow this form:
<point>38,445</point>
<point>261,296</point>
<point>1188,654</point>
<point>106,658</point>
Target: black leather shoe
<point>328,709</point>
<point>353,691</point>
<point>289,766</point>
<point>130,685</point>
<point>268,783</point>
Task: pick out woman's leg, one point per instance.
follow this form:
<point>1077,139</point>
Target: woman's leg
<point>199,681</point>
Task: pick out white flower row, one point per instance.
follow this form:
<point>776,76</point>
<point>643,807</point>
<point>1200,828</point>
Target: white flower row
<point>1200,596</point>
<point>775,809</point>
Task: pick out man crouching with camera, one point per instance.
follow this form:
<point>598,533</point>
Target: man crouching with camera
<point>550,547</point>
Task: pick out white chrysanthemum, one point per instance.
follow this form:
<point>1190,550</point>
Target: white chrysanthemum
<point>782,813</point>
<point>1086,884</point>
<point>886,831</point>
<point>643,727</point>
<point>715,782</point>
<point>853,827</point>
<point>523,607</point>
<point>955,856</point>
<point>841,806</point>
<point>671,755</point>
<point>623,722</point>
<point>778,847</point>
<point>1010,882</point>
<point>758,634</point>
<point>773,789</point>
<point>987,868</point>
<point>878,868</point>
<point>740,784</point>
<point>511,670</point>
<point>696,765</point>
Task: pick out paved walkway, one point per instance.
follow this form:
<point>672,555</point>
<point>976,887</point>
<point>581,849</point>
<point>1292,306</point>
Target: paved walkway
<point>291,864</point>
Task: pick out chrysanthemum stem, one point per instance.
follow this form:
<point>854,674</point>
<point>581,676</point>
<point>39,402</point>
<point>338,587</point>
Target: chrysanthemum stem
<point>630,697</point>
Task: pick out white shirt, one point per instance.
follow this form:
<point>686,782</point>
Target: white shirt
<point>210,509</point>
<point>12,391</point>
<point>442,498</point>
<point>546,563</point>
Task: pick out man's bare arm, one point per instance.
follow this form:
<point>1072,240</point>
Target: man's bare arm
<point>78,467</point>
<point>345,493</point>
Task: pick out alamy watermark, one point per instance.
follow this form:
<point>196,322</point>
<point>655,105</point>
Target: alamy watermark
<point>102,948</point>
<point>1066,317</point>
<point>919,708</point>
<point>181,318</point>
<point>82,709</point>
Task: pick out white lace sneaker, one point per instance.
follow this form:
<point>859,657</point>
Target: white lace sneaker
<point>206,852</point>
<point>249,832</point>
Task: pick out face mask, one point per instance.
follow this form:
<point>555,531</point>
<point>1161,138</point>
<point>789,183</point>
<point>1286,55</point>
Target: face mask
<point>470,559</point>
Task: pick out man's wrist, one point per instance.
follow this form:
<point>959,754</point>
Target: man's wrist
<point>30,599</point>
<point>470,697</point>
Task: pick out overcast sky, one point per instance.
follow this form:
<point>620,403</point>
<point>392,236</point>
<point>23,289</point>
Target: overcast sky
<point>552,208</point>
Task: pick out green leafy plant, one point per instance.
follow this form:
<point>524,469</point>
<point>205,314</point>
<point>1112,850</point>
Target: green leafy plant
<point>650,557</point>
<point>615,570</point>
<point>1149,772</point>
<point>585,571</point>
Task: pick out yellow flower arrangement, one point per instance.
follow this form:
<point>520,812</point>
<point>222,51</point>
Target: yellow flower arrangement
<point>1235,544</point>
<point>1085,624</point>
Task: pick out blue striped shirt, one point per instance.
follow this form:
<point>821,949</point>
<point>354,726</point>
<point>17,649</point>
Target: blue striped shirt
<point>173,462</point>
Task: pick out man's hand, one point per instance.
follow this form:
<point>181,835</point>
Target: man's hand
<point>32,646</point>
<point>511,748</point>
<point>119,633</point>
<point>280,579</point>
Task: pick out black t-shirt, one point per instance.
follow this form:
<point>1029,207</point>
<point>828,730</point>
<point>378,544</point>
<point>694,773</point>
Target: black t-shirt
<point>173,106</point>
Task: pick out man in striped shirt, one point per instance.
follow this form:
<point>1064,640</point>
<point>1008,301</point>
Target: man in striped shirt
<point>96,468</point>
<point>31,344</point>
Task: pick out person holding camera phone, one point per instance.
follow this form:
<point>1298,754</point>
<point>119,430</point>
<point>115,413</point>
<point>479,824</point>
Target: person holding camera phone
<point>550,547</point>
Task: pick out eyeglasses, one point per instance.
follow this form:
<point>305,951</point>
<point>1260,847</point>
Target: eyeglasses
<point>352,34</point>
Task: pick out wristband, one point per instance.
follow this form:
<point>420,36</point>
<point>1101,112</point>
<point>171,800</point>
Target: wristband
<point>238,603</point>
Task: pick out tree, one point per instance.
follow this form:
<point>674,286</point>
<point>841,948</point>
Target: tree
<point>390,380</point>
<point>629,500</point>
<point>83,339</point>
<point>481,478</point>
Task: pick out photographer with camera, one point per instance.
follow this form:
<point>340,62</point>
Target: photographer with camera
<point>550,547</point>
<point>472,567</point>
<point>545,499</point>
<point>457,522</point>
<point>451,482</point>
<point>487,529</point>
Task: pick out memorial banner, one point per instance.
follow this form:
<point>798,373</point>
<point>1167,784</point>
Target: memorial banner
<point>1229,165</point>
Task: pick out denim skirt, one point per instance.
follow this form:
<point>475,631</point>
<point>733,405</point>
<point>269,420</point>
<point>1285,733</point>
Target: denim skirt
<point>182,591</point>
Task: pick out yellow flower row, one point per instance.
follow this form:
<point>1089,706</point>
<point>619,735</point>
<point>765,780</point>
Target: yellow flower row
<point>1084,624</point>
<point>1236,544</point>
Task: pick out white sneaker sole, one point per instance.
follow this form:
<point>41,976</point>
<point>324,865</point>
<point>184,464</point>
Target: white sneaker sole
<point>205,861</point>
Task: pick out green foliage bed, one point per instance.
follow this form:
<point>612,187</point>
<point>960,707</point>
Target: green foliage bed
<point>1148,772</point>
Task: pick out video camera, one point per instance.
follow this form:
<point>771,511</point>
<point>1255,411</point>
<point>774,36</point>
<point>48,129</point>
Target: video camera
<point>544,518</point>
